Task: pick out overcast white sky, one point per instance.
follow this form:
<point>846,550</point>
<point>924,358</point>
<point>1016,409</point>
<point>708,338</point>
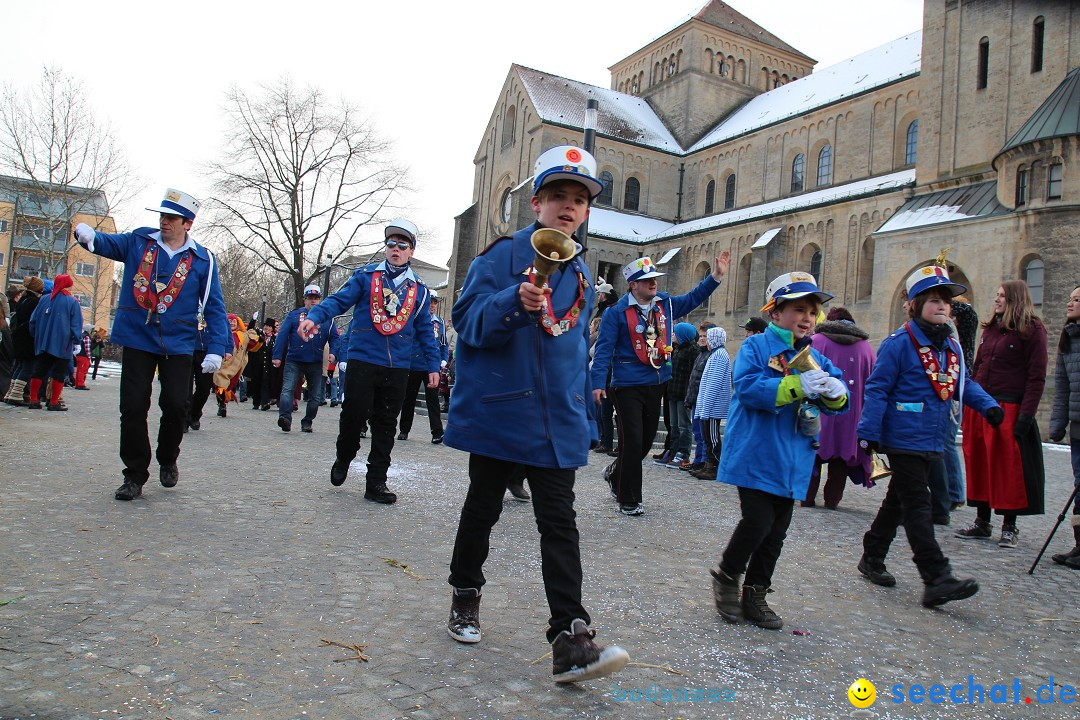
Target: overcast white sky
<point>427,72</point>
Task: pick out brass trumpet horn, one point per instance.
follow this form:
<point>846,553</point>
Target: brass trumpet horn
<point>803,361</point>
<point>553,247</point>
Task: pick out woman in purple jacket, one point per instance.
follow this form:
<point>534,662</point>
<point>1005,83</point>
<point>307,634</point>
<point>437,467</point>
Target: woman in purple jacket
<point>840,340</point>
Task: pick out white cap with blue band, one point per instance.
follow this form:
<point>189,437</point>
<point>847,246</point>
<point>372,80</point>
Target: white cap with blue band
<point>179,203</point>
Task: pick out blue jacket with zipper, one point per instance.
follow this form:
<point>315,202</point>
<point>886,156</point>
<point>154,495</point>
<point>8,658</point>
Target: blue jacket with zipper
<point>365,343</point>
<point>900,410</point>
<point>614,349</point>
<point>521,394</point>
<point>305,351</point>
<point>174,331</point>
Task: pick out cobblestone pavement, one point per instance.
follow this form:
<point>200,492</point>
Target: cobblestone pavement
<point>212,599</point>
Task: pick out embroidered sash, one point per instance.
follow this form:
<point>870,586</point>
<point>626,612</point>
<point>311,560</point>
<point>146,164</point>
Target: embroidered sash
<point>944,379</point>
<point>548,321</point>
<point>158,296</point>
<point>649,338</point>
<point>387,317</point>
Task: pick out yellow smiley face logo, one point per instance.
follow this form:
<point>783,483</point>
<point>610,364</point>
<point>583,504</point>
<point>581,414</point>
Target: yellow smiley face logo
<point>862,693</point>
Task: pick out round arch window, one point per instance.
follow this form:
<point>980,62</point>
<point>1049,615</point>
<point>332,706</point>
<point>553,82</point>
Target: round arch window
<point>507,206</point>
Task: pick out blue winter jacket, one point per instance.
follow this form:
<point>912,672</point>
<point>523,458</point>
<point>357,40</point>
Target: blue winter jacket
<point>419,361</point>
<point>613,347</point>
<point>900,410</point>
<point>174,331</point>
<point>305,351</point>
<point>56,326</point>
<point>366,344</point>
<point>763,450</point>
<point>521,394</point>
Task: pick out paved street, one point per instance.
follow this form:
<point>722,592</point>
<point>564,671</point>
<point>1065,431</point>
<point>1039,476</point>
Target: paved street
<point>213,598</point>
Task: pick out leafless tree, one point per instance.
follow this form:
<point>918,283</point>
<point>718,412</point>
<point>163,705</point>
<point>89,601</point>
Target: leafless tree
<point>246,283</point>
<point>59,161</point>
<point>300,179</point>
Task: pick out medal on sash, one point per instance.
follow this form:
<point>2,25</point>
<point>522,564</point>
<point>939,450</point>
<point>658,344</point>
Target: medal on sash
<point>388,313</point>
<point>548,322</point>
<point>649,346</point>
<point>942,379</point>
<point>161,297</point>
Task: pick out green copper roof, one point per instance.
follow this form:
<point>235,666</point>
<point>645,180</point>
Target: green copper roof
<point>1059,115</point>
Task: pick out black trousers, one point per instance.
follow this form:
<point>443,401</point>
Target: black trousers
<point>46,365</point>
<point>553,506</point>
<point>95,362</point>
<point>639,415</point>
<point>136,383</point>
<point>199,387</point>
<point>907,502</point>
<point>759,537</point>
<point>373,396</point>
<point>418,379</point>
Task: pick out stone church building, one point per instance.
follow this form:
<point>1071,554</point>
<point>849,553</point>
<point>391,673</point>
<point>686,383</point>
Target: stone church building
<point>718,135</point>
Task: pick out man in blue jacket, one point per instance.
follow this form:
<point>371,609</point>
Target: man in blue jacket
<point>303,358</point>
<point>418,376</point>
<point>635,343</point>
<point>170,290</point>
<point>522,403</point>
<point>391,314</point>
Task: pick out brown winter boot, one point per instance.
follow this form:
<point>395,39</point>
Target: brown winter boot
<point>1074,554</point>
<point>15,393</point>
<point>725,591</point>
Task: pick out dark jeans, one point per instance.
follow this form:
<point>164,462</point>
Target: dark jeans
<point>373,396</point>
<point>759,537</point>
<point>553,506</point>
<point>22,370</point>
<point>1074,454</point>
<point>136,383</point>
<point>639,416</point>
<point>418,378</point>
<point>199,387</point>
<point>312,374</point>
<point>940,503</point>
<point>907,502</point>
<point>95,362</point>
<point>605,422</point>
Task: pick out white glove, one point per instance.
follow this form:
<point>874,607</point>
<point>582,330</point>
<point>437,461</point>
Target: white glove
<point>84,234</point>
<point>442,364</point>
<point>811,382</point>
<point>75,350</point>
<point>211,363</point>
<point>833,388</point>
<point>342,366</point>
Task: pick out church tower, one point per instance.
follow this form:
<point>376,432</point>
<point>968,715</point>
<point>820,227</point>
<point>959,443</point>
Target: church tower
<point>707,67</point>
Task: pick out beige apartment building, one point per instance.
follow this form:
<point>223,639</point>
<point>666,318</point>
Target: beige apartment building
<point>36,239</point>
<point>962,135</point>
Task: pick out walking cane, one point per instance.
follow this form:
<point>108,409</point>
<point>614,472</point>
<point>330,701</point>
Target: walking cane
<point>1060,519</point>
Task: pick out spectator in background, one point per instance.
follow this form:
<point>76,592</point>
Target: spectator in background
<point>97,349</point>
<point>847,346</point>
<point>714,400</point>
<point>754,326</point>
<point>1005,463</point>
<point>1066,410</point>
<point>303,359</point>
<point>418,376</point>
<point>966,321</point>
<point>82,360</point>
<point>55,326</point>
<point>691,398</point>
<point>22,341</point>
<point>682,364</point>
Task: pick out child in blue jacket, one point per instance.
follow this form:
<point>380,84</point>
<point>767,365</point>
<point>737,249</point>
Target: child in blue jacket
<point>770,447</point>
<point>906,409</point>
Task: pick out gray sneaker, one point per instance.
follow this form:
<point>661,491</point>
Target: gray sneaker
<point>1010,536</point>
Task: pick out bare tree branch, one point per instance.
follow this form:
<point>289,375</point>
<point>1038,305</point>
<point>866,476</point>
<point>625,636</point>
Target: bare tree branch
<point>302,177</point>
<point>63,162</point>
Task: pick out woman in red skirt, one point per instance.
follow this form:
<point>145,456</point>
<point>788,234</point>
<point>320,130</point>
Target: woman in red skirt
<point>1005,464</point>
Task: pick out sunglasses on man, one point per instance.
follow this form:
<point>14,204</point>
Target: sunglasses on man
<point>399,244</point>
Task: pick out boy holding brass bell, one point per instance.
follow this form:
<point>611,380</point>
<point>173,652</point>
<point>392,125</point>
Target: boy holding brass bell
<point>778,379</point>
<point>521,402</point>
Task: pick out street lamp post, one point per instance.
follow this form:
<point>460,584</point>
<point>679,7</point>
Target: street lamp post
<point>592,106</point>
<point>326,275</point>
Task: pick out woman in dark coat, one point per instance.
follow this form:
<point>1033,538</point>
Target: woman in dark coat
<point>23,341</point>
<point>1005,464</point>
<point>1066,412</point>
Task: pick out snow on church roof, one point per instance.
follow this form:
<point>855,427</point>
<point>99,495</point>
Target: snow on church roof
<point>635,228</point>
<point>624,117</point>
<point>893,61</point>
